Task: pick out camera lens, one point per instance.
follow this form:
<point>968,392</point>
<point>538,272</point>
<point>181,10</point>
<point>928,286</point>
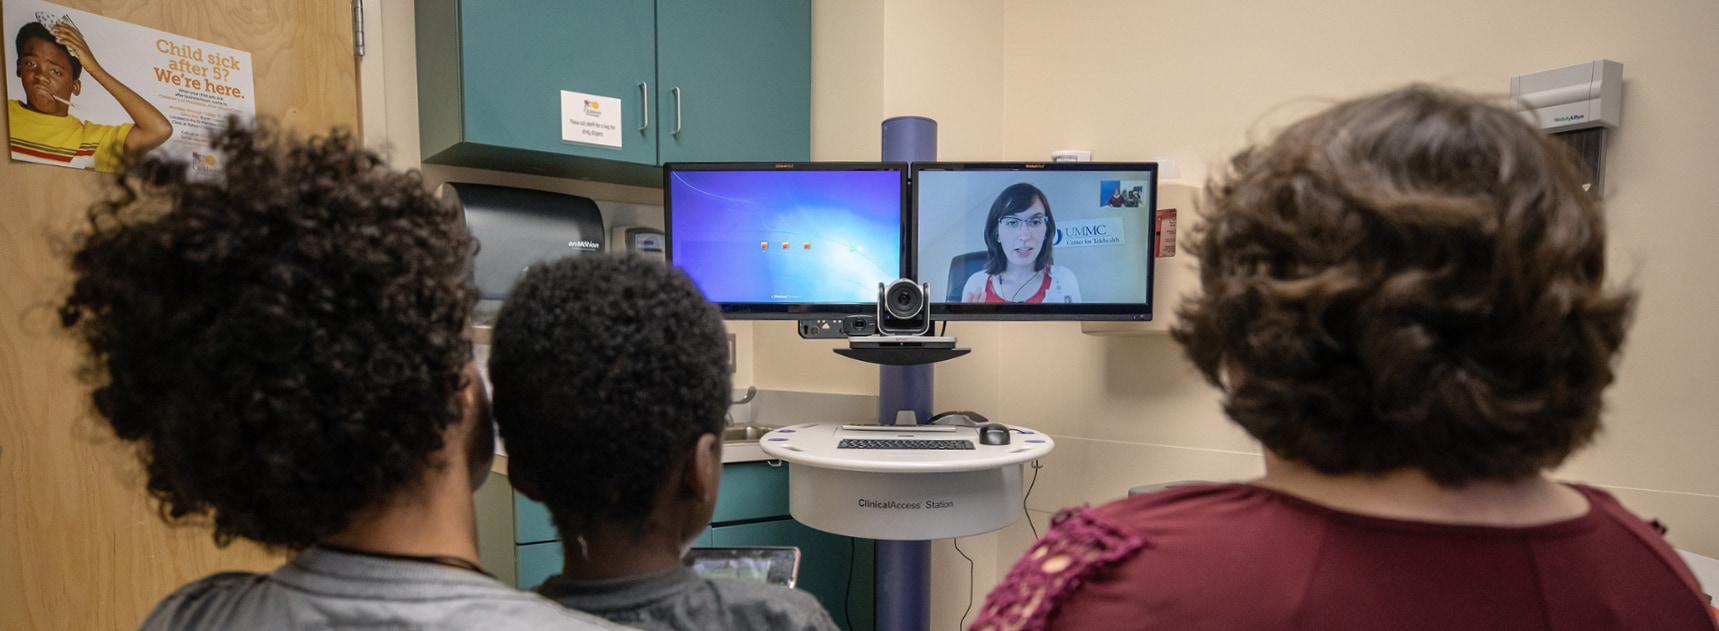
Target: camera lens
<point>904,298</point>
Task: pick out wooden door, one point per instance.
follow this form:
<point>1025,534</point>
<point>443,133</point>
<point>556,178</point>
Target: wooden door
<point>81,546</point>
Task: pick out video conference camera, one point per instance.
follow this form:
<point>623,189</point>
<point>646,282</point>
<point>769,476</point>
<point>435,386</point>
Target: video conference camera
<point>903,308</point>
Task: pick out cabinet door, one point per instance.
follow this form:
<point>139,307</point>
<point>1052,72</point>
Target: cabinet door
<point>518,56</point>
<point>744,73</point>
<point>531,521</point>
<point>538,562</point>
<point>826,563</point>
<point>751,491</point>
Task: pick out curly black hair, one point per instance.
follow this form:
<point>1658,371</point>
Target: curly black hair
<point>283,340</point>
<point>39,31</point>
<point>605,369</point>
<point>1412,280</point>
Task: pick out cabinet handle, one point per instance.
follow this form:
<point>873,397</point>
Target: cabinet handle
<point>676,110</point>
<point>645,96</point>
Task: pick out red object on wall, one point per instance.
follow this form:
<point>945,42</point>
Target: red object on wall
<point>1164,234</point>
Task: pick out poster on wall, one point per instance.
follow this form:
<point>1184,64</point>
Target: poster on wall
<point>87,90</point>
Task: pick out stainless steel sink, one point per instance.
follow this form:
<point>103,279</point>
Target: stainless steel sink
<point>745,434</point>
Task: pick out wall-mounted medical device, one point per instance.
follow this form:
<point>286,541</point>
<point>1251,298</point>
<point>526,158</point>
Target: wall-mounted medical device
<point>1572,98</point>
<point>1576,105</point>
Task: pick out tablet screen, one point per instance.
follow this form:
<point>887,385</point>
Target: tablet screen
<point>774,565</point>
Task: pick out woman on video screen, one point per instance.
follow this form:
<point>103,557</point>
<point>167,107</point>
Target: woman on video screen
<point>1018,236</point>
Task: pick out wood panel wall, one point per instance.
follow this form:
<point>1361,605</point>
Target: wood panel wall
<point>81,546</point>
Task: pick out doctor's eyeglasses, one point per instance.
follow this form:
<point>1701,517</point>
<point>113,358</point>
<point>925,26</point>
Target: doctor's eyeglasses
<point>1016,223</point>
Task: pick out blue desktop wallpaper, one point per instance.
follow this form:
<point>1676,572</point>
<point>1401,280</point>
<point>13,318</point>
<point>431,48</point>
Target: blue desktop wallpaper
<point>842,231</point>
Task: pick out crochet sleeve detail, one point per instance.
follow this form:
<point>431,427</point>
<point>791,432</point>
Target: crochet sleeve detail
<point>1079,544</point>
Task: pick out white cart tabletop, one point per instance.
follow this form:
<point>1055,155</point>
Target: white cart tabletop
<point>815,444</point>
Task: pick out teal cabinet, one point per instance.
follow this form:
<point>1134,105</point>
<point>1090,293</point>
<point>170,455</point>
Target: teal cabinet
<point>519,545</point>
<point>751,491</point>
<point>538,562</point>
<point>726,80</point>
<point>734,78</point>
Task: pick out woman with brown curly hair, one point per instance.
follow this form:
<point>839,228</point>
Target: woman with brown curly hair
<point>1403,299</point>
<point>282,343</point>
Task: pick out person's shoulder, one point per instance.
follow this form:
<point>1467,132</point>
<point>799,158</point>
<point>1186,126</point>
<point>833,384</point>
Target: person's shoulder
<point>1600,499</point>
<point>1187,503</point>
<point>199,604</point>
<point>540,614</point>
<point>772,606</point>
<point>105,133</point>
<point>1650,532</point>
<point>748,590</point>
<point>504,608</point>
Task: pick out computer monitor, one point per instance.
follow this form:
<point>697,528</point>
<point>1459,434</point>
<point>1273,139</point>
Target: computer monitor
<point>783,241</point>
<point>1036,241</point>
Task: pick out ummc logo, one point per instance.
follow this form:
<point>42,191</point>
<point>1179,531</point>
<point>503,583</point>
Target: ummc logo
<point>1088,231</point>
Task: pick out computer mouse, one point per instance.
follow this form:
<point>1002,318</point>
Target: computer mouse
<point>993,434</point>
<point>959,418</point>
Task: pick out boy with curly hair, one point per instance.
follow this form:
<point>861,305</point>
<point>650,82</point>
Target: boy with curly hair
<point>611,382</point>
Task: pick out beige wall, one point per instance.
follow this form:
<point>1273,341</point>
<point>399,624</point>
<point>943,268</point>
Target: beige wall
<point>1133,80</point>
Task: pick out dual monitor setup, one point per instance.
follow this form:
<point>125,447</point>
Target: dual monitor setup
<point>891,247</point>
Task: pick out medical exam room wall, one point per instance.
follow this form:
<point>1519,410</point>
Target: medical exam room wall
<point>1137,79</point>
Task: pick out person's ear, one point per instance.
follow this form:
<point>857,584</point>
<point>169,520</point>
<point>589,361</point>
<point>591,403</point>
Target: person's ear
<point>702,477</point>
<point>77,87</point>
<point>476,430</point>
<point>1230,375</point>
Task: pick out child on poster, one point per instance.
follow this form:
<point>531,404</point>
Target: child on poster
<point>51,62</point>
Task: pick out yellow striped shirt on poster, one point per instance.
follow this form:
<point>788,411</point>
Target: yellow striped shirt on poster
<point>65,140</point>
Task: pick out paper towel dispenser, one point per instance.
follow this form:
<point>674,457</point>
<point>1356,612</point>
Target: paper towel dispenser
<point>519,227</point>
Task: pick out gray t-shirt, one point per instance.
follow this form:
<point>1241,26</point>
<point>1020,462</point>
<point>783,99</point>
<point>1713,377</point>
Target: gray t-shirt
<point>321,589</point>
<point>680,600</point>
